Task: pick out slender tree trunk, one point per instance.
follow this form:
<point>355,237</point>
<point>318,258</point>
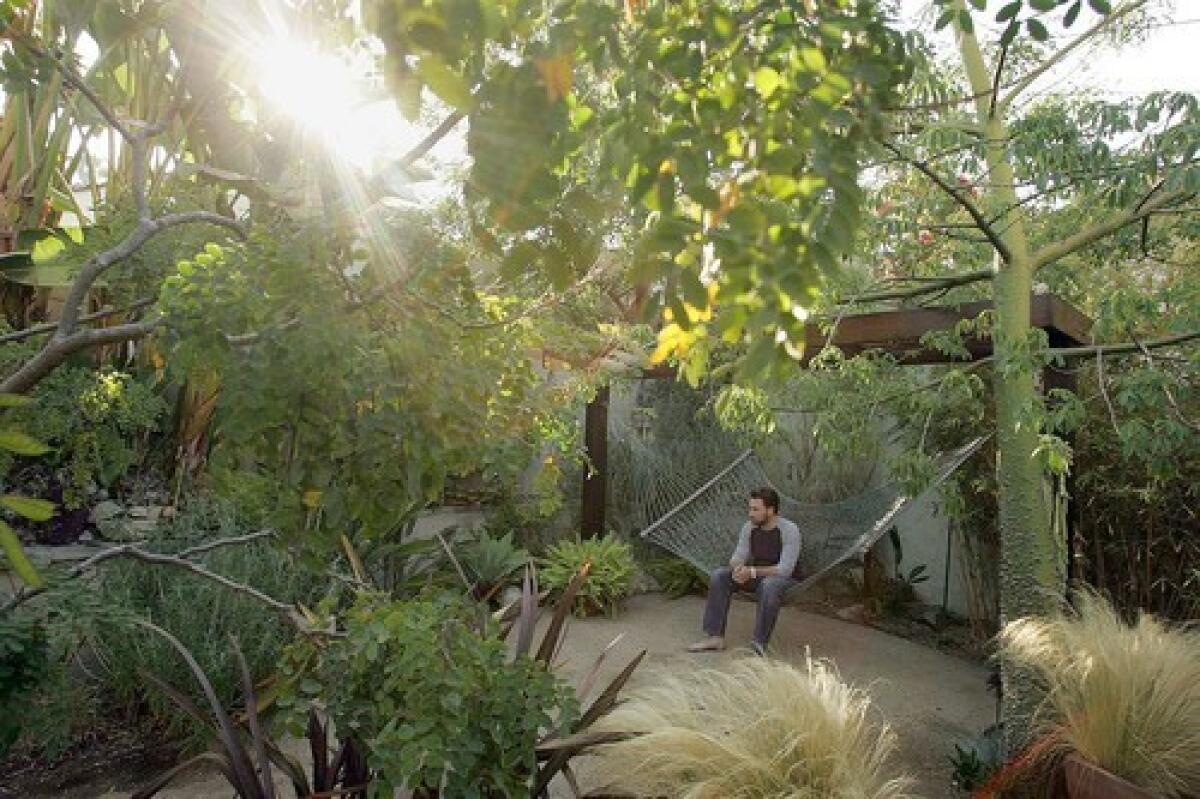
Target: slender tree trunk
<point>1030,575</point>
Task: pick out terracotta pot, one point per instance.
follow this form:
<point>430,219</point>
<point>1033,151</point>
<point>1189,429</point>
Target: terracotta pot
<point>1086,780</point>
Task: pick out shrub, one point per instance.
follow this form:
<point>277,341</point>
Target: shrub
<point>492,563</point>
<point>199,612</point>
<point>610,577</point>
<point>676,577</point>
<point>435,703</point>
<point>1126,697</point>
<point>23,660</point>
<point>761,729</point>
<point>94,421</point>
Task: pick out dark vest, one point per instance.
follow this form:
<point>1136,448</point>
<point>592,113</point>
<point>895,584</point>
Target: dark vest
<point>765,548</point>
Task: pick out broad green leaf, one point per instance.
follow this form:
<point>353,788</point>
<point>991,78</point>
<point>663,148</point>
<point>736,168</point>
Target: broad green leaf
<point>1009,11</point>
<point>17,559</point>
<point>445,82</point>
<point>21,444</point>
<point>1101,6</point>
<point>38,510</point>
<point>1010,33</point>
<point>1072,14</point>
<point>979,4</point>
<point>944,19</point>
<point>767,81</point>
<point>1037,30</point>
<point>47,249</point>
<point>1043,5</point>
<point>813,60</point>
<point>965,22</point>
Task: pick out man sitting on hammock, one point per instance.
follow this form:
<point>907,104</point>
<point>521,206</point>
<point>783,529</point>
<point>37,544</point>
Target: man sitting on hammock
<point>765,562</point>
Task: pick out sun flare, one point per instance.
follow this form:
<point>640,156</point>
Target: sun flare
<point>328,97</point>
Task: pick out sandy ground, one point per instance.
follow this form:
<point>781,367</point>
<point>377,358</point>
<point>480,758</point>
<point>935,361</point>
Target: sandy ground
<point>933,700</point>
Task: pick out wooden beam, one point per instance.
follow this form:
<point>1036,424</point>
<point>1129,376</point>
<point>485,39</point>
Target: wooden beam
<point>595,481</point>
<point>899,332</point>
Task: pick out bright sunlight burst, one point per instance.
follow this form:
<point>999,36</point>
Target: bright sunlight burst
<point>328,98</point>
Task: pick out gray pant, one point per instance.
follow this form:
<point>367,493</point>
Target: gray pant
<point>770,591</point>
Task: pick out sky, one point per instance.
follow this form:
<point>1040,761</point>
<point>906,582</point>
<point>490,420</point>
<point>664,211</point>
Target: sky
<point>1165,60</point>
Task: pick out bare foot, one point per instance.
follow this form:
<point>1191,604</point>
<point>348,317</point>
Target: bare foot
<point>714,643</point>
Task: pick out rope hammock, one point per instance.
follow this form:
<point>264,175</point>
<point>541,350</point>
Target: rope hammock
<point>702,526</point>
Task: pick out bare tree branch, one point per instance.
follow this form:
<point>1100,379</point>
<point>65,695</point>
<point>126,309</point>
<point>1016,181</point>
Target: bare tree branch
<point>1100,381</point>
<point>76,81</point>
<point>1041,69</point>
<point>179,561</point>
<point>59,348</point>
<point>1124,347</point>
<point>980,221</point>
<point>218,543</point>
<point>425,145</point>
<point>66,339</point>
<point>927,286</point>
<point>1151,203</point>
<point>1166,389</point>
<point>103,313</point>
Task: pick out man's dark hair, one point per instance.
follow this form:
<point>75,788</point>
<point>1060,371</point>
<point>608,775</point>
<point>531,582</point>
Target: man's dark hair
<point>769,497</point>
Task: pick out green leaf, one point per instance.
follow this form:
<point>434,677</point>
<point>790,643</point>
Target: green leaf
<point>1043,5</point>
<point>1010,33</point>
<point>17,559</point>
<point>38,510</point>
<point>445,82</point>
<point>980,5</point>
<point>965,22</point>
<point>21,444</point>
<point>767,81</point>
<point>944,19</point>
<point>1009,11</point>
<point>1037,30</point>
<point>46,250</point>
<point>1101,6</point>
<point>813,60</point>
<point>14,400</point>
<point>1072,14</point>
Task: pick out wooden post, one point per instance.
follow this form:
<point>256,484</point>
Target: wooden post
<point>595,481</point>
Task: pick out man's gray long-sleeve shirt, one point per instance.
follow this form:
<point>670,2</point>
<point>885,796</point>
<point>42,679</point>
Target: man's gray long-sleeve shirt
<point>789,534</point>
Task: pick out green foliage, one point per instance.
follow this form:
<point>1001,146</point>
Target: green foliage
<point>676,576</point>
<point>970,770</point>
<point>101,618</point>
<point>15,441</point>
<point>95,422</point>
<point>733,133</point>
<point>23,661</point>
<point>610,572</point>
<point>352,421</point>
<point>436,703</point>
<point>492,562</point>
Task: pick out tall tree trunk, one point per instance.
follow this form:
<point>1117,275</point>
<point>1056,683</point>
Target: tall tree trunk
<point>1030,576</point>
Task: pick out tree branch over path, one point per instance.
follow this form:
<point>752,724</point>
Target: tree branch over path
<point>980,220</point>
<point>1153,202</point>
<point>66,338</point>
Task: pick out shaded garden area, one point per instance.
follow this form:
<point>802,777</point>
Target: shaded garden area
<point>350,350</point>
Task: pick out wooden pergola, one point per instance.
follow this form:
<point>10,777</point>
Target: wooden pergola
<point>897,332</point>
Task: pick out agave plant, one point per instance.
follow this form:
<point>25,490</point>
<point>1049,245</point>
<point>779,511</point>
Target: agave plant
<point>246,754</point>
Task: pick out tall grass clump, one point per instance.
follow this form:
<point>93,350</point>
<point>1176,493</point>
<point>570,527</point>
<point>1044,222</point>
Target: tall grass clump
<point>761,729</point>
<point>1125,697</point>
